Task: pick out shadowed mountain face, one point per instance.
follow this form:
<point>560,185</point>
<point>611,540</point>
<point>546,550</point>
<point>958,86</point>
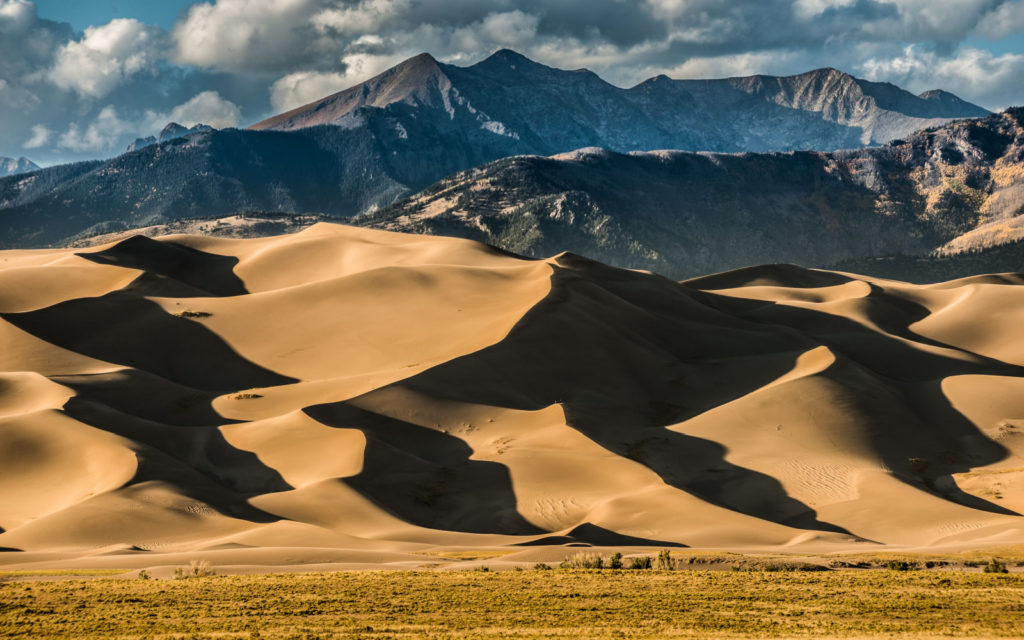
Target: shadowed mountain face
<point>942,195</point>
<point>212,172</point>
<point>352,388</point>
<point>943,203</point>
<point>362,149</point>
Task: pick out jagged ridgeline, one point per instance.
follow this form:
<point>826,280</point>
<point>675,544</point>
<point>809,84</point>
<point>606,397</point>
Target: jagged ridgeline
<point>939,204</point>
<point>362,149</point>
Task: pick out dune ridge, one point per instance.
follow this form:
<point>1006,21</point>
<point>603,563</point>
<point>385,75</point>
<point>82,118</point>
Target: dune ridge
<point>387,394</point>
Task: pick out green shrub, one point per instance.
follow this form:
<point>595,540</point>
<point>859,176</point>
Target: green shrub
<point>995,566</point>
<point>664,561</point>
<point>615,562</point>
<point>640,562</point>
<point>540,566</point>
<point>899,565</point>
<point>778,566</point>
<point>143,574</point>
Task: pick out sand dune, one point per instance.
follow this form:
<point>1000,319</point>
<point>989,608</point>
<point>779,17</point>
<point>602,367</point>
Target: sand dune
<point>342,390</point>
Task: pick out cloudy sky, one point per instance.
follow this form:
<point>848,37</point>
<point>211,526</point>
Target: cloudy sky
<point>82,78</point>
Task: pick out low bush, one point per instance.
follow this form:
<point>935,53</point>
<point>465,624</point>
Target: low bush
<point>583,560</point>
<point>615,562</point>
<point>995,566</point>
<point>664,561</point>
<point>899,565</point>
<point>640,562</point>
<point>196,569</point>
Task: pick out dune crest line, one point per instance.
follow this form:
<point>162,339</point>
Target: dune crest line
<point>353,389</point>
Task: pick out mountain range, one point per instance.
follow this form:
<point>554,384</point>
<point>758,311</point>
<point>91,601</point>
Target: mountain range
<point>527,107</point>
<point>14,166</point>
<point>361,150</point>
<point>946,191</point>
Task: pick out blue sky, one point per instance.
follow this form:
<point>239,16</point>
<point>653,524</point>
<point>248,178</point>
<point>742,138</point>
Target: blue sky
<point>82,78</point>
<point>86,13</point>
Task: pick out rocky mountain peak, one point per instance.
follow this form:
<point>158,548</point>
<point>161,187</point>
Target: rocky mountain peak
<point>171,131</point>
<point>174,130</point>
<point>946,102</point>
<point>14,166</point>
<point>506,62</point>
<point>422,64</point>
<point>507,57</point>
<point>827,72</point>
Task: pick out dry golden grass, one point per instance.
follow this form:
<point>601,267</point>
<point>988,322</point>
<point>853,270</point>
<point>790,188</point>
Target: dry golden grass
<point>522,604</point>
<point>1012,555</point>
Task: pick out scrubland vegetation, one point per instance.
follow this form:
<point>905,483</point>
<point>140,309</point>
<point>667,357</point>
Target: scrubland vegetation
<point>560,603</point>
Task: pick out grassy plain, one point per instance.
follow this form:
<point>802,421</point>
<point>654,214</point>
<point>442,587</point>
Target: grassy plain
<point>522,604</point>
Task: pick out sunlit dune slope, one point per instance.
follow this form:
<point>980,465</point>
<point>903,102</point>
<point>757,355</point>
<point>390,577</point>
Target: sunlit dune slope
<point>360,389</point>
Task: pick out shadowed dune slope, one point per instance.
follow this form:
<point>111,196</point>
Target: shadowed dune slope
<point>359,389</point>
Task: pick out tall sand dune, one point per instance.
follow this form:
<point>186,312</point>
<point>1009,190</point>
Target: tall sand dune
<point>382,395</point>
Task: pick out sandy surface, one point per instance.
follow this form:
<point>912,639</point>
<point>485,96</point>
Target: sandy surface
<point>346,397</point>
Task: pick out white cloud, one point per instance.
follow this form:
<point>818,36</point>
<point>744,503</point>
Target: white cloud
<point>247,35</point>
<point>40,136</point>
<point>742,64</point>
<point>218,60</point>
<point>109,131</point>
<point>102,134</point>
<point>1006,20</point>
<point>992,81</point>
<point>807,9</point>
<point>509,28</point>
<point>67,96</point>
<point>371,54</point>
<point>368,16</point>
<point>303,87</point>
<point>16,15</point>
<point>105,57</point>
<point>306,36</point>
<point>941,20</point>
<point>209,108</point>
